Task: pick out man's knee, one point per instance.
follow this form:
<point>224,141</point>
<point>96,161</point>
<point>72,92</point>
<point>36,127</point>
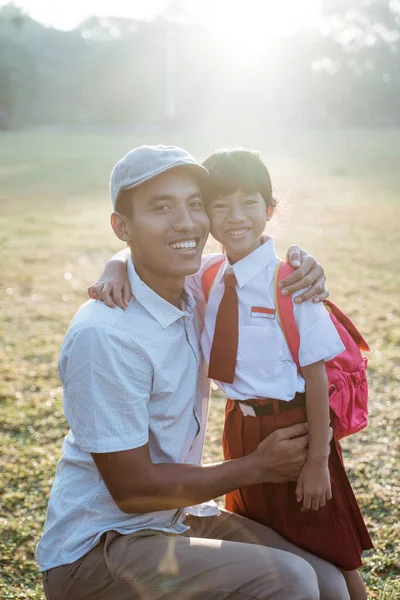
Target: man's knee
<point>279,575</point>
<point>301,580</point>
<point>332,586</point>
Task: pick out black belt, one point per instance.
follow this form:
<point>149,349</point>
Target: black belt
<point>268,406</point>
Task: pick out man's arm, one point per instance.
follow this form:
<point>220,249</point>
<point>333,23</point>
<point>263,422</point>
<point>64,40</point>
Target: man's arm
<point>107,380</point>
<point>138,485</point>
<point>113,286</point>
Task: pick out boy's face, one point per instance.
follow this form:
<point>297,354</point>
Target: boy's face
<point>238,221</point>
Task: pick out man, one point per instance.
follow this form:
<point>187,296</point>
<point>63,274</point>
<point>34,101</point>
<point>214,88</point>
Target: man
<point>135,396</point>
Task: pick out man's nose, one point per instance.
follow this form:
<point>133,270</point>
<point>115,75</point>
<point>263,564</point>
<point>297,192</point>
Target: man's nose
<point>184,221</point>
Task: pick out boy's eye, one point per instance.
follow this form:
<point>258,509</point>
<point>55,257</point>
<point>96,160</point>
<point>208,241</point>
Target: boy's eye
<point>219,205</point>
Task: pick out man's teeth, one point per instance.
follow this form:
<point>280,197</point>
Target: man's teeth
<point>183,245</point>
<point>237,231</point>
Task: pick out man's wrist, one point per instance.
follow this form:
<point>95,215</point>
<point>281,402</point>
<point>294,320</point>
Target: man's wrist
<point>256,467</point>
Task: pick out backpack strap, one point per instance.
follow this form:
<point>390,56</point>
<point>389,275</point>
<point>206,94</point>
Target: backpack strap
<point>285,314</point>
<point>209,275</point>
<point>284,309</point>
<point>347,324</point>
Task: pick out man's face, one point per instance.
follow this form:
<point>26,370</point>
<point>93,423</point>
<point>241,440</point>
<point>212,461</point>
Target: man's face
<point>169,224</point>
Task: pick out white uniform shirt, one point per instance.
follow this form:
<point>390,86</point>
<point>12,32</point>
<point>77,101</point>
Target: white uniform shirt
<point>129,378</point>
<point>264,367</point>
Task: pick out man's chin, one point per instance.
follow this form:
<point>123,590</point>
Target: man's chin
<point>186,265</point>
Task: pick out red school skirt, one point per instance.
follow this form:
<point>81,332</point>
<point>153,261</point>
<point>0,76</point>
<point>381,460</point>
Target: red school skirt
<point>335,532</point>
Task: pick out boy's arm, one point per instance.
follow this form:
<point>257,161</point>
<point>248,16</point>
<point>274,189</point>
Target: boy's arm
<point>317,406</point>
<point>113,286</point>
<point>313,485</point>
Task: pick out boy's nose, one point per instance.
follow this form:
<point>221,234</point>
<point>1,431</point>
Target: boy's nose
<point>236,215</point>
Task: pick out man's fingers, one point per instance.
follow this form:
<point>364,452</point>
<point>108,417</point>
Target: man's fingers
<point>294,278</point>
<point>322,500</point>
<point>293,256</point>
<point>322,296</point>
<point>294,431</point>
<point>317,286</point>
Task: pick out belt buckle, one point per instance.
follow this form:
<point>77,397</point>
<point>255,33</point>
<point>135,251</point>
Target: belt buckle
<point>247,410</point>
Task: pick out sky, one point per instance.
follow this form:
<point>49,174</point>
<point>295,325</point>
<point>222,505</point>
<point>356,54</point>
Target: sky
<point>250,18</point>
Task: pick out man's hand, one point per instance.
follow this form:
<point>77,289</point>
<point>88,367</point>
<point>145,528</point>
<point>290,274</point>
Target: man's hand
<point>281,456</point>
<point>308,272</point>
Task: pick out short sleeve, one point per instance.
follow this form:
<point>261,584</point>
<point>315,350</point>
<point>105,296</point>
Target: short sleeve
<point>194,282</point>
<point>107,382</point>
<point>319,339</point>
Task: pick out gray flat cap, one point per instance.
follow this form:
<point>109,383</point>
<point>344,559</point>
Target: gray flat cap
<point>145,162</point>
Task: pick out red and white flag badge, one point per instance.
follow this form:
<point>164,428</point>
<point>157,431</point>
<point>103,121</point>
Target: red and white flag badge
<point>262,312</point>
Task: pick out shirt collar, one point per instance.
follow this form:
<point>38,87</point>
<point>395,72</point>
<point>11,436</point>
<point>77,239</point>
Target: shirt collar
<point>252,264</point>
<point>164,312</point>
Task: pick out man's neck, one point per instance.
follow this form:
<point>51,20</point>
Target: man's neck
<point>169,288</point>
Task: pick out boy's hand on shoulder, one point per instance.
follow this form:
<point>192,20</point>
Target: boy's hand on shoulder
<point>314,485</point>
<point>113,287</point>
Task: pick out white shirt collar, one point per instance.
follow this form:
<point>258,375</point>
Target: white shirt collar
<point>252,264</point>
<point>164,312</point>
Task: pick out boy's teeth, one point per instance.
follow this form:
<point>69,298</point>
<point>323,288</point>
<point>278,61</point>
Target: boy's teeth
<point>237,231</point>
<point>183,245</point>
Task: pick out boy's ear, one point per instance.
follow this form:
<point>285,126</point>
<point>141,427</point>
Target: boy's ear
<point>119,225</point>
<point>270,211</point>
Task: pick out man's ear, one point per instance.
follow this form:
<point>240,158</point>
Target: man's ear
<point>120,227</point>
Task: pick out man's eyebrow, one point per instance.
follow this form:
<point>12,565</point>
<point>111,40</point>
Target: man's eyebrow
<point>168,197</point>
<point>157,197</point>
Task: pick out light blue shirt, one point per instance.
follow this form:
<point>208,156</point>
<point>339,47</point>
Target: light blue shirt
<point>129,378</point>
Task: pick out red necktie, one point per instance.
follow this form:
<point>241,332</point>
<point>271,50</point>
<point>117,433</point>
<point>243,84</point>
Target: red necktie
<point>226,335</point>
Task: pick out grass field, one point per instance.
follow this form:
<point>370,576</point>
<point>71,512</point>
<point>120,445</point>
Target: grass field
<point>340,200</point>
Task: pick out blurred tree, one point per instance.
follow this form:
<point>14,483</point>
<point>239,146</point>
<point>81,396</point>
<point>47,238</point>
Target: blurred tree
<point>361,50</point>
<point>117,72</point>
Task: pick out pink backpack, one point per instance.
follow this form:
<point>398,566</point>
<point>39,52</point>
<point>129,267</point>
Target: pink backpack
<point>348,386</point>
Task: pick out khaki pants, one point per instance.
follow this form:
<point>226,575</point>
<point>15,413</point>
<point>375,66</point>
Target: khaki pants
<point>218,558</point>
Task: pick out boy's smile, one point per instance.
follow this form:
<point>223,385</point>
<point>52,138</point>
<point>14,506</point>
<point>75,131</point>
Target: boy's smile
<point>237,221</point>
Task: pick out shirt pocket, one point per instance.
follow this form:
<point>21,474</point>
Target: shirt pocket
<point>260,351</point>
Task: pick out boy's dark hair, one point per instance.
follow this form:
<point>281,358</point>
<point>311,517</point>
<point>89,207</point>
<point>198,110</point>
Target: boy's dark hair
<point>231,170</point>
<point>125,203</point>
